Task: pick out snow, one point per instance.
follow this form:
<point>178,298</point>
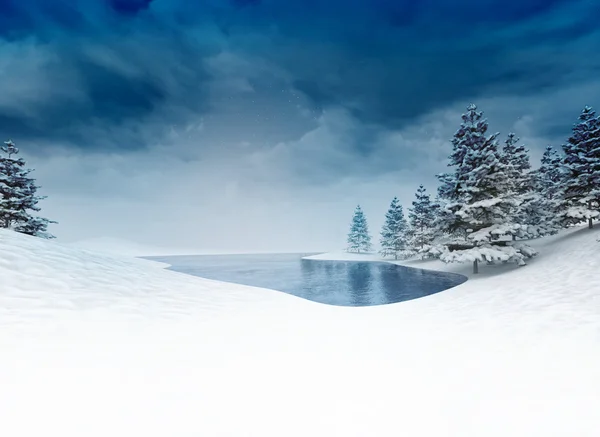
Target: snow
<point>94,345</point>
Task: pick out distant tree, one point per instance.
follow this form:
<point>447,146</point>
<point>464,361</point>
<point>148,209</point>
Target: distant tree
<point>394,233</point>
<point>544,208</point>
<point>421,218</point>
<point>359,239</point>
<point>477,199</point>
<point>515,160</point>
<point>581,199</point>
<point>18,198</point>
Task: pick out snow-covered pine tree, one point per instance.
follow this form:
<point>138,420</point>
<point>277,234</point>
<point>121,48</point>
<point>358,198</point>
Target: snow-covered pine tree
<point>18,195</point>
<point>515,159</point>
<point>421,218</point>
<point>543,210</point>
<point>359,239</point>
<point>582,168</point>
<point>477,199</point>
<point>394,233</point>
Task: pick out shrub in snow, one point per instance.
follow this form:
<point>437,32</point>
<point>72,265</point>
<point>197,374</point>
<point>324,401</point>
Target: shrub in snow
<point>359,239</point>
<point>394,233</point>
<point>478,199</point>
<point>581,198</point>
<point>18,195</point>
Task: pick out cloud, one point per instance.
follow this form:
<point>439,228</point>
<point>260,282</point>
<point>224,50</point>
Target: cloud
<point>243,3</point>
<point>133,61</point>
<point>296,196</point>
<point>244,124</point>
<point>129,7</point>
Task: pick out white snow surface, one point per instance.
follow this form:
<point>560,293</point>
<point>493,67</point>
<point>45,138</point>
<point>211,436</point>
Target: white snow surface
<point>97,346</point>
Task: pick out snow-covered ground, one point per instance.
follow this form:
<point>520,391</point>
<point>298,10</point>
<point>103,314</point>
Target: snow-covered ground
<point>97,346</point>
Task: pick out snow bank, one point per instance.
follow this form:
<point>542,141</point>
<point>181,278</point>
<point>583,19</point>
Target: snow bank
<point>95,346</point>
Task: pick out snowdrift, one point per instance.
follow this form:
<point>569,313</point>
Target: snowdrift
<point>93,346</point>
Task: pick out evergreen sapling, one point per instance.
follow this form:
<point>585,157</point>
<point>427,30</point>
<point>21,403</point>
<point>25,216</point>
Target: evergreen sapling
<point>394,233</point>
<point>359,239</point>
<point>421,218</point>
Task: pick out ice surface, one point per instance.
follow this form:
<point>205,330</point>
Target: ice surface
<point>98,346</point>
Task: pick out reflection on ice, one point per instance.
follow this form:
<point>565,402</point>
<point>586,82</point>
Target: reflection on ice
<point>346,283</point>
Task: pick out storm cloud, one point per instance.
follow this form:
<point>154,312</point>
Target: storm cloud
<point>270,100</point>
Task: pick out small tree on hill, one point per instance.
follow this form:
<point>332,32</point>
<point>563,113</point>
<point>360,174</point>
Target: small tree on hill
<point>18,196</point>
<point>394,233</point>
<point>421,217</point>
<point>359,239</point>
<point>582,168</point>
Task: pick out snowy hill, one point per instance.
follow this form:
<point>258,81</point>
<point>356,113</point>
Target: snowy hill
<point>95,346</point>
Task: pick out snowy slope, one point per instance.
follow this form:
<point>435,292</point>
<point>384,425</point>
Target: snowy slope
<point>95,346</point>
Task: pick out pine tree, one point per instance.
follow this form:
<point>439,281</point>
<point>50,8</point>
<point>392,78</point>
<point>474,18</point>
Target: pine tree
<point>543,208</point>
<point>551,173</point>
<point>18,195</point>
<point>394,233</point>
<point>421,217</point>
<point>478,199</point>
<point>359,239</point>
<point>515,159</point>
<point>582,166</point>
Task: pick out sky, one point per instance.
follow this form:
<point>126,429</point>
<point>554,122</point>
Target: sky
<point>259,125</point>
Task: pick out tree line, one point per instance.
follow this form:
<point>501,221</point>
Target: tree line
<point>491,201</point>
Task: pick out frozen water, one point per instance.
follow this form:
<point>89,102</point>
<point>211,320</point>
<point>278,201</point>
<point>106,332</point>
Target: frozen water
<point>346,283</point>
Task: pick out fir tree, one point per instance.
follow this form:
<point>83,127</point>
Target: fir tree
<point>582,166</point>
<point>36,226</point>
<point>515,159</point>
<point>421,217</point>
<point>543,209</point>
<point>394,233</point>
<point>18,196</point>
<point>478,199</point>
<point>359,239</point>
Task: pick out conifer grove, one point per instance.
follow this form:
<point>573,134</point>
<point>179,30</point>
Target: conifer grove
<point>492,199</point>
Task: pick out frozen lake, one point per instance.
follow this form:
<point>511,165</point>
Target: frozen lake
<point>347,283</point>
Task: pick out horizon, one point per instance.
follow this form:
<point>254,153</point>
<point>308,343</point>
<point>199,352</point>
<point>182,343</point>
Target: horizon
<point>259,125</point>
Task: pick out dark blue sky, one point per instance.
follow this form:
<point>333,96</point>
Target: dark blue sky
<point>282,93</point>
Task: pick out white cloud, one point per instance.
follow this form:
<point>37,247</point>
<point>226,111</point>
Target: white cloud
<point>207,185</point>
